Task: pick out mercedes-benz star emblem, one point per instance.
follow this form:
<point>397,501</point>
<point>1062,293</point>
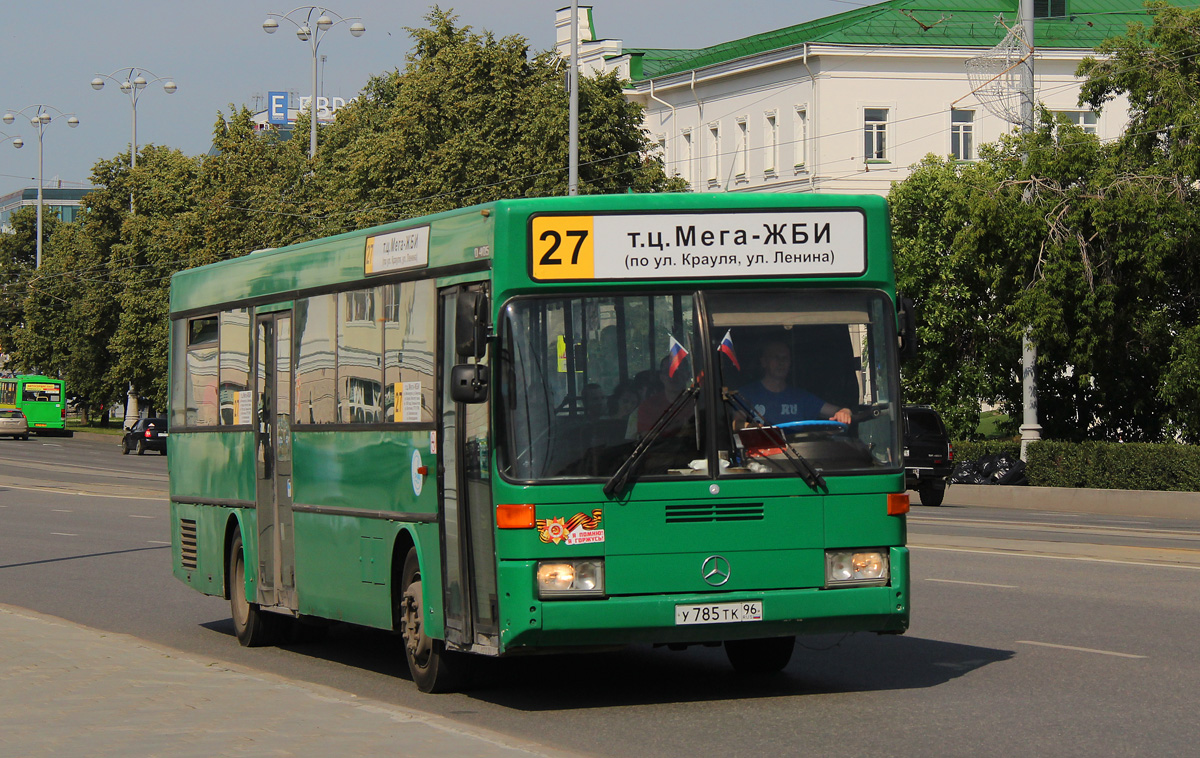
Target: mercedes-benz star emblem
<point>715,570</point>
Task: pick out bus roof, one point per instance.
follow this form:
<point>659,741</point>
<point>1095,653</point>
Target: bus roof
<point>461,240</point>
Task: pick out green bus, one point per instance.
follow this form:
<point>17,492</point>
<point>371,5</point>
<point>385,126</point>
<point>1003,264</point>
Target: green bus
<point>40,398</point>
<point>538,426</point>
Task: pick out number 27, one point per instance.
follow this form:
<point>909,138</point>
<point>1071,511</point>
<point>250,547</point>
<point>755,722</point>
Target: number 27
<point>556,240</point>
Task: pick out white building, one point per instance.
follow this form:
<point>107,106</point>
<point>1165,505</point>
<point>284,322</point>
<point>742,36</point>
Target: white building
<point>849,102</point>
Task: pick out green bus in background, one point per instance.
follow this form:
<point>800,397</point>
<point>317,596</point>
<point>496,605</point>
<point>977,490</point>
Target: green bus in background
<point>543,425</point>
<point>40,398</point>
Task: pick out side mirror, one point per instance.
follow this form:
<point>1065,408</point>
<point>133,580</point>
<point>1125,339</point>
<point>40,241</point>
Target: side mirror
<point>907,313</point>
<point>471,323</point>
<point>469,383</point>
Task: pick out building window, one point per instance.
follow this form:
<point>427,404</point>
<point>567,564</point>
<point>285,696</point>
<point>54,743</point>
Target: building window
<point>1049,8</point>
<point>1085,120</point>
<point>359,358</point>
<point>684,167</point>
<point>962,134</point>
<point>714,155</point>
<point>770,145</point>
<point>741,159</point>
<point>875,134</point>
<point>800,138</point>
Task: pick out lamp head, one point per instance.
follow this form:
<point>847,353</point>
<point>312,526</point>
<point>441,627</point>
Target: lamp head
<point>170,87</point>
<point>304,33</point>
<point>72,122</point>
<point>324,22</point>
<point>44,117</point>
<point>140,82</point>
<point>18,143</point>
<point>9,118</point>
<point>357,29</point>
<point>270,26</point>
<point>126,86</point>
<point>97,83</point>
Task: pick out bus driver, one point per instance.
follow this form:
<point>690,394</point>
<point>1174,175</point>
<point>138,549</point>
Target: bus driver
<point>776,402</point>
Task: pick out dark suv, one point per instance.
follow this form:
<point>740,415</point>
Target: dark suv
<point>928,454</point>
<point>145,434</point>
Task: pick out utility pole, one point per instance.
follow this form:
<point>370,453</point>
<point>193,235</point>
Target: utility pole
<point>573,79</point>
<point>1031,430</point>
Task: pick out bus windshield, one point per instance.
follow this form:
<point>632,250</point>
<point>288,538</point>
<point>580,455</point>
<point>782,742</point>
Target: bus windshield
<point>584,378</point>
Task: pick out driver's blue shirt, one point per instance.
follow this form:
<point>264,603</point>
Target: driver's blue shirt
<point>793,404</point>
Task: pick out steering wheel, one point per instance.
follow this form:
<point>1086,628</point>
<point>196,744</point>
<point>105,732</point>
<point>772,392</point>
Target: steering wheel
<point>814,426</point>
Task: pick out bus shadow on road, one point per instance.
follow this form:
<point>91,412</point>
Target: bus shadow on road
<point>823,664</point>
<point>642,675</point>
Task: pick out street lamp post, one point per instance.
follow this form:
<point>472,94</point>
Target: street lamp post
<point>42,116</point>
<point>305,32</point>
<point>132,82</point>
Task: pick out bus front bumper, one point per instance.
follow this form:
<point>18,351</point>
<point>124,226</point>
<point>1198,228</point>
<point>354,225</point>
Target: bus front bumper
<point>528,622</point>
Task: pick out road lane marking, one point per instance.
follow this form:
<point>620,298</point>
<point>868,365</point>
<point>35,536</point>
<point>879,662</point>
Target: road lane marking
<point>157,542</point>
<point>61,510</point>
<point>1011,554</point>
<point>136,516</point>
<point>1079,649</point>
<point>63,534</point>
<point>80,493</point>
<point>974,584</point>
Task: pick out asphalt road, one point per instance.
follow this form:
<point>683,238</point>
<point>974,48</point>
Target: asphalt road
<point>1033,634</point>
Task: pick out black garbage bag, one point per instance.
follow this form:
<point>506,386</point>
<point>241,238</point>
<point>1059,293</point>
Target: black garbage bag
<point>1008,469</point>
<point>966,472</point>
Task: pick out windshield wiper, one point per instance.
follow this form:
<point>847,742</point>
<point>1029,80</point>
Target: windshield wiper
<point>812,476</point>
<point>619,480</point>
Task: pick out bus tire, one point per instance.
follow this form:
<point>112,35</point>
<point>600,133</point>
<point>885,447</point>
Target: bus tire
<point>931,494</point>
<point>765,656</point>
<point>433,667</point>
<point>253,626</point>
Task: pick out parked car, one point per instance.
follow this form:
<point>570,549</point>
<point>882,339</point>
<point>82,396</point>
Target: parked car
<point>145,434</point>
<point>12,422</point>
<point>928,454</point>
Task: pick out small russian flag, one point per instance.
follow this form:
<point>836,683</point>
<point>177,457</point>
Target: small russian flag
<point>678,353</point>
<point>726,347</point>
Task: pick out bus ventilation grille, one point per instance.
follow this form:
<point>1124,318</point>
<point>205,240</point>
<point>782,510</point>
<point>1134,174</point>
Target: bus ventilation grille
<point>692,514</point>
<point>187,543</point>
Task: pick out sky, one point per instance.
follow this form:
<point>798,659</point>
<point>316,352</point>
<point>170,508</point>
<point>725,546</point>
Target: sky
<point>218,54</point>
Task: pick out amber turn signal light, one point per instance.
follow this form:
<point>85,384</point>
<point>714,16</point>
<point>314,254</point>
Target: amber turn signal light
<point>898,504</point>
<point>515,516</point>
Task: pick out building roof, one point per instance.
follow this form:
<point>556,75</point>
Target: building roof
<point>936,23</point>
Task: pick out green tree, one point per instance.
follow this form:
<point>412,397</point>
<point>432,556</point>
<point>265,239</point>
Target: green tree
<point>1053,233</point>
<point>471,119</point>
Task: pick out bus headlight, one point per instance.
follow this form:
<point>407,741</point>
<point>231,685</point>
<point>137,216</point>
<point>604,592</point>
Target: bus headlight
<point>581,577</point>
<point>849,568</point>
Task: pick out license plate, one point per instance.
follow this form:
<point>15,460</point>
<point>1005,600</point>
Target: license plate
<point>162,434</point>
<point>718,613</point>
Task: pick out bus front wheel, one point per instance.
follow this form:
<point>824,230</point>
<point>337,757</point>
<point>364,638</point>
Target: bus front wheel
<point>433,667</point>
<point>253,626</point>
<point>766,656</point>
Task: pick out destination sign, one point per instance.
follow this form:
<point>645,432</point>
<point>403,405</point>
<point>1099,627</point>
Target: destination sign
<point>397,251</point>
<point>817,242</point>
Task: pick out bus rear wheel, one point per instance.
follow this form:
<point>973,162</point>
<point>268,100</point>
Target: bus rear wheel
<point>433,667</point>
<point>765,656</point>
<point>253,626</point>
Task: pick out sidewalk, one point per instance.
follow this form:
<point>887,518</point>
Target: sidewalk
<point>67,690</point>
<point>1173,505</point>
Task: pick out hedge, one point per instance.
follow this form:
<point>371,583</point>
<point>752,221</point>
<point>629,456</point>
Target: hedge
<point>1100,465</point>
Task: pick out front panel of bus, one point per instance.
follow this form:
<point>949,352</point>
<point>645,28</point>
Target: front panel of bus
<point>702,456</point>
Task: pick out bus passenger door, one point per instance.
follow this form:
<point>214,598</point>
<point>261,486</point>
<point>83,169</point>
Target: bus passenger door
<point>468,542</point>
<point>273,502</point>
